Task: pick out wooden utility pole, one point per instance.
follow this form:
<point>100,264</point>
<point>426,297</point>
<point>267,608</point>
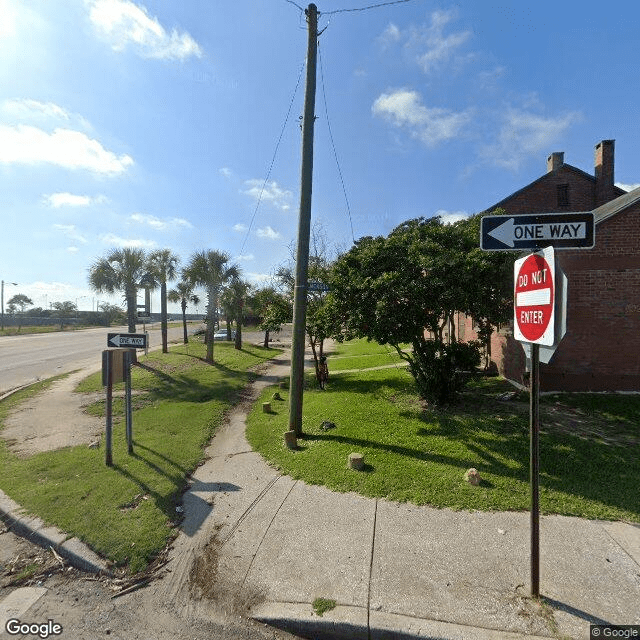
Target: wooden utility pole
<point>304,224</point>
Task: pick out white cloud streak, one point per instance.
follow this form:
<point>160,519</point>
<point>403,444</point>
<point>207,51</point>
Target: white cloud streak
<point>404,108</point>
<point>272,193</point>
<point>524,134</point>
<point>123,23</point>
<point>268,232</point>
<point>449,217</point>
<point>441,48</point>
<point>627,187</point>
<point>113,240</point>
<point>29,145</point>
<point>158,224</point>
<point>71,232</point>
<point>65,199</point>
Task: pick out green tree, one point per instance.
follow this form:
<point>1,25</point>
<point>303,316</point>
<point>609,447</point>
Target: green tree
<point>163,266</point>
<point>21,301</point>
<point>112,313</point>
<point>211,270</point>
<point>273,309</point>
<point>120,270</point>
<point>391,289</point>
<point>183,293</point>
<point>234,299</point>
<point>65,310</point>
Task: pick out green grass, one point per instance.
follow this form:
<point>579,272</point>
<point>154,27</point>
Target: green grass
<point>362,354</point>
<point>419,454</point>
<point>128,512</point>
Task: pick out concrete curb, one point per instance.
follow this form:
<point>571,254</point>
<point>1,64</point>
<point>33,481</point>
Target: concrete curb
<point>352,623</point>
<point>34,530</point>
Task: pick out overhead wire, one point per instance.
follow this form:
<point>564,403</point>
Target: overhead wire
<point>335,153</point>
<point>373,6</point>
<point>275,152</point>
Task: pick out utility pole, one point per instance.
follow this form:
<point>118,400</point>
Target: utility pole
<point>304,223</point>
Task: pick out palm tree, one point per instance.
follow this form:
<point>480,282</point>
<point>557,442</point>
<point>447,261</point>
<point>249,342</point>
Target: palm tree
<point>120,270</point>
<point>236,295</point>
<point>183,293</point>
<point>210,269</point>
<point>163,267</point>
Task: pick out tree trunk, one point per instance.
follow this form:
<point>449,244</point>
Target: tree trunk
<point>184,320</point>
<point>211,319</point>
<point>238,343</point>
<point>266,339</point>
<point>131,294</point>
<point>163,317</point>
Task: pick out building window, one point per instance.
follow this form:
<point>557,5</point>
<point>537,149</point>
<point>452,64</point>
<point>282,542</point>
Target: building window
<point>563,195</point>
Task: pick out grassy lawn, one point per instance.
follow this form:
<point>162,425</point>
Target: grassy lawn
<point>589,445</point>
<point>128,512</point>
<point>361,354</point>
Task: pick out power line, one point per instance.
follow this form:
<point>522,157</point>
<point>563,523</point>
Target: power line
<point>273,159</point>
<point>335,153</point>
<point>373,6</point>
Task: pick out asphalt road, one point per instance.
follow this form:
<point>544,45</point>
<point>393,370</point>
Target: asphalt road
<point>25,359</point>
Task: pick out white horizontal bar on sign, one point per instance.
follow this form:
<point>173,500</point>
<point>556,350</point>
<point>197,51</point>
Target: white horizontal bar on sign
<point>533,298</point>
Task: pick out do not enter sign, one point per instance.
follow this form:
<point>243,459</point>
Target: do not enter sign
<point>534,298</point>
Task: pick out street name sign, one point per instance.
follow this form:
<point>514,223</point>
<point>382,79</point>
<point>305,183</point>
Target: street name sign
<point>317,286</point>
<point>135,340</point>
<point>534,298</point>
<point>558,230</point>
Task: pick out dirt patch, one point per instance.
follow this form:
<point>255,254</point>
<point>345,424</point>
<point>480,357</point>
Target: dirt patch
<point>53,419</point>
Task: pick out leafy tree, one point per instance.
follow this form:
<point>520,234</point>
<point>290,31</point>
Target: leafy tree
<point>112,313</point>
<point>273,308</point>
<point>65,310</point>
<point>163,267</point>
<point>210,269</point>
<point>120,270</point>
<point>235,297</point>
<point>21,301</point>
<point>183,293</point>
<point>407,287</point>
<point>321,320</point>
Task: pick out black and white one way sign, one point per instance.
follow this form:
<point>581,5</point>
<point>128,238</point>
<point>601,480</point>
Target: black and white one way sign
<point>136,340</point>
<point>558,230</point>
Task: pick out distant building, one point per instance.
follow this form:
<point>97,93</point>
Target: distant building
<point>601,350</point>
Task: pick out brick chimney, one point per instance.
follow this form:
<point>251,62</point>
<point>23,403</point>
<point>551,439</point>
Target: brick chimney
<point>555,161</point>
<point>604,172</point>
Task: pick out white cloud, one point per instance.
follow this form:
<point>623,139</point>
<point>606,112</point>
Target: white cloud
<point>65,199</point>
<point>25,144</point>
<point>8,19</point>
<point>449,217</point>
<point>268,232</point>
<point>72,249</point>
<point>30,109</point>
<point>71,232</point>
<point>113,239</point>
<point>225,171</point>
<point>404,108</point>
<point>271,192</point>
<point>627,187</point>
<point>240,227</point>
<point>440,48</point>
<point>159,224</point>
<point>390,35</point>
<point>125,23</point>
<point>524,134</point>
<point>259,278</point>
<point>248,258</point>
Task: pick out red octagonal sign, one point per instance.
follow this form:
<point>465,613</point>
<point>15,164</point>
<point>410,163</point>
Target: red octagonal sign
<point>534,296</point>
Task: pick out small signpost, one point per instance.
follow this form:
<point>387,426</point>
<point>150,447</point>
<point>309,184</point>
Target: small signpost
<point>315,286</point>
<point>539,312</point>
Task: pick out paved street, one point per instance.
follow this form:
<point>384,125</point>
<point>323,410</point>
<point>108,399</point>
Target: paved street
<point>27,358</point>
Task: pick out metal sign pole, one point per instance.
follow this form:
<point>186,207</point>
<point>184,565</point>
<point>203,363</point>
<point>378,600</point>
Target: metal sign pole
<point>128,410</point>
<point>108,410</point>
<point>534,454</point>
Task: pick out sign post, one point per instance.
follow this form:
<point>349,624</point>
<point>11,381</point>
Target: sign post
<point>534,304</point>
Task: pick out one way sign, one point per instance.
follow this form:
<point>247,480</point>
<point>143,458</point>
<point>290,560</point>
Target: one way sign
<point>558,230</point>
<point>135,340</point>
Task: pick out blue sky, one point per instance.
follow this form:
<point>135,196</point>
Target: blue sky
<point>153,123</point>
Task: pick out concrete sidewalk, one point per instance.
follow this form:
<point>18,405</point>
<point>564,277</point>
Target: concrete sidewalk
<point>398,570</point>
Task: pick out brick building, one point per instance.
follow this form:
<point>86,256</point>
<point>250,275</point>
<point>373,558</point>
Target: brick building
<point>601,350</point>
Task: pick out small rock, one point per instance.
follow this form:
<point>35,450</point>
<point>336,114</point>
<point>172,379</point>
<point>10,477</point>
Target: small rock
<point>472,477</point>
<point>356,461</point>
<point>326,425</point>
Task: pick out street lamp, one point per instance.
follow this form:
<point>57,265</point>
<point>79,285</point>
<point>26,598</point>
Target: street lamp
<point>15,284</point>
